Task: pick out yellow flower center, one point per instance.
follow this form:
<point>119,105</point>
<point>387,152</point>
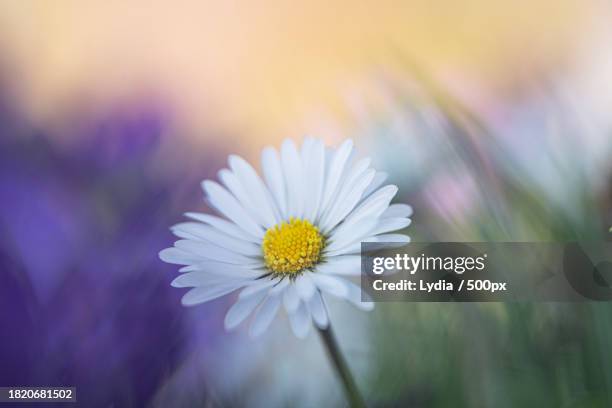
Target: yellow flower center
<point>290,247</point>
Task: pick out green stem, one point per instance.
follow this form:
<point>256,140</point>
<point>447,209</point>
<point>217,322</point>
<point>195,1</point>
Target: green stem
<point>350,387</point>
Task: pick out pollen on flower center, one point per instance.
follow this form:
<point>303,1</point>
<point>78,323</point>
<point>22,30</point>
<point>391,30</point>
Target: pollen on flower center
<point>290,247</point>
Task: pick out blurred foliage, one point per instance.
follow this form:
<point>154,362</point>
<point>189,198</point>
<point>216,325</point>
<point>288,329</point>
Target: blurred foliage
<point>488,354</point>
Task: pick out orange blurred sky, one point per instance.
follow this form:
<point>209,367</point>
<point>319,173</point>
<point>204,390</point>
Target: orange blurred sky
<point>265,68</point>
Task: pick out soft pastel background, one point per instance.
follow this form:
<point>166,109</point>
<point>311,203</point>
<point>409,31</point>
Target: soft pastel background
<point>493,117</point>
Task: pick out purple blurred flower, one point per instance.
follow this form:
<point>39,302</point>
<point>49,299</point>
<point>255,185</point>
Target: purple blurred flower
<point>84,300</point>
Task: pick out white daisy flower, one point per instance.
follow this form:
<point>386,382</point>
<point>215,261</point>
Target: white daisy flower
<point>288,239</point>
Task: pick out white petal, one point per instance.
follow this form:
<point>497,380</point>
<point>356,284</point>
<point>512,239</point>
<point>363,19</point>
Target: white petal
<point>259,285</point>
<point>335,172</point>
<point>279,288</point>
<point>399,238</point>
<point>205,293</point>
<point>378,181</point>
<point>313,155</point>
<point>300,321</point>
<point>227,204</point>
<point>350,233</point>
<point>225,269</point>
<point>291,299</point>
<point>330,284</point>
<point>222,225</point>
<point>374,205</point>
<point>245,198</point>
<point>206,250</point>
<point>341,265</point>
<point>317,309</point>
<point>348,203</point>
<point>183,234</point>
<point>243,307</point>
<point>208,265</point>
<point>348,181</point>
<point>348,197</point>
<point>178,256</point>
<point>273,175</point>
<point>355,295</point>
<point>292,170</point>
<point>390,224</point>
<point>235,187</point>
<point>212,235</point>
<point>305,286</point>
<point>306,146</point>
<point>358,170</point>
<point>397,210</point>
<point>355,248</point>
<point>259,196</point>
<point>201,278</point>
<point>265,314</point>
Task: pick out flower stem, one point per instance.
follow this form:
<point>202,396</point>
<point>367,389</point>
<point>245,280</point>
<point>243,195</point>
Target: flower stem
<point>350,387</point>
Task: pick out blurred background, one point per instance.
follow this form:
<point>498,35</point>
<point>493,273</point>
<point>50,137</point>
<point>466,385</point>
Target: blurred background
<point>493,117</point>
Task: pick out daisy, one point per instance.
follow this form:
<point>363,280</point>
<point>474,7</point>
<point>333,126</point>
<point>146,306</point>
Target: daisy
<point>288,240</point>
